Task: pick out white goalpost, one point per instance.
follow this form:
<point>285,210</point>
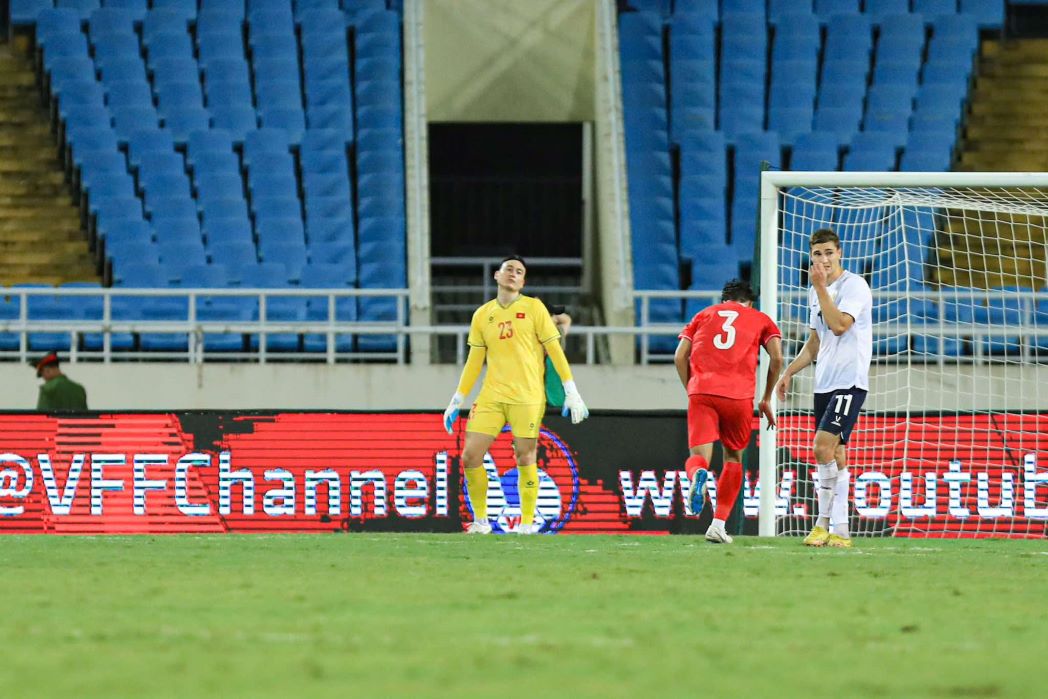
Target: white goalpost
<point>953,438</point>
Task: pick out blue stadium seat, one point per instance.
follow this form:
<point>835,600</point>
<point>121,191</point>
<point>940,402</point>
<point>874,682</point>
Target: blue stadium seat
<point>870,158</point>
<point>232,253</point>
<point>815,151</point>
<point>238,120</point>
<point>828,8</point>
<point>265,141</point>
<point>291,120</point>
<point>923,161</point>
<point>842,122</point>
<point>329,207</point>
<point>218,207</point>
<point>128,231</point>
<point>281,230</point>
<point>182,121</point>
<point>209,276</point>
<point>107,21</point>
<point>934,8</point>
<point>183,253</point>
<point>848,38</point>
<point>904,74</point>
<point>292,255</point>
<point>335,254</point>
<point>121,68</point>
<point>215,15</point>
<point>70,69</point>
<point>208,141</point>
<point>278,93</point>
<point>236,229</point>
<point>1040,323</point>
<point>86,140</point>
<point>879,9</point>
<point>325,184</point>
<point>56,22</point>
<point>130,120</point>
<point>212,163</point>
<point>220,94</point>
<point>157,162</point>
<point>222,45</point>
<point>167,45</point>
<point>173,69</point>
<point>988,13</point>
<point>275,206</point>
<point>24,13</point>
<point>130,93</point>
<point>330,231</point>
<point>228,70</point>
<point>132,262</point>
<point>170,206</point>
<point>84,8</point>
<point>177,230</point>
<point>48,308</point>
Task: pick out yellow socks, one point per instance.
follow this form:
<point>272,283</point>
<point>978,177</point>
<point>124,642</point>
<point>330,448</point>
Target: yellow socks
<point>477,484</point>
<point>528,487</point>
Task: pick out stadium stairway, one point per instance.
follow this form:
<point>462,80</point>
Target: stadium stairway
<point>1005,132</point>
<point>40,232</point>
<point>1009,109</point>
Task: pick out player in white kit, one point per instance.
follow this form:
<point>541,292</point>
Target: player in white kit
<point>841,345</point>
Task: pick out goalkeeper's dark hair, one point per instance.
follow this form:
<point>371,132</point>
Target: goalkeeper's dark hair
<point>738,290</point>
<point>518,258</point>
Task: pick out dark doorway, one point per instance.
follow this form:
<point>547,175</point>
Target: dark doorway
<point>502,188</point>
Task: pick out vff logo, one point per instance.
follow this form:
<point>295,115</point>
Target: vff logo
<point>504,496</point>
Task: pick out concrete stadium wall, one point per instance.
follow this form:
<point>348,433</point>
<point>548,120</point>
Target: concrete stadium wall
<point>507,60</point>
<point>162,386</point>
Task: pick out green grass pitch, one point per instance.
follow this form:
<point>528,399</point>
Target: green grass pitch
<point>375,615</point>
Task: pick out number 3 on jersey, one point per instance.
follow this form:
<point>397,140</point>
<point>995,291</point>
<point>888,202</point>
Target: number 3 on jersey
<point>726,339</point>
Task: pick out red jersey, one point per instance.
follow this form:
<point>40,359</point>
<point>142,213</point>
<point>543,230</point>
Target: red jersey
<point>725,342</point>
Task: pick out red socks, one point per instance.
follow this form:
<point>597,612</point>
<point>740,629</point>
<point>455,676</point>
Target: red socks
<point>728,486</point>
<point>693,464</point>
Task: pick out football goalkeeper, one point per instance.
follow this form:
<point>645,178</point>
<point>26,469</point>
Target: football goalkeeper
<point>512,333</point>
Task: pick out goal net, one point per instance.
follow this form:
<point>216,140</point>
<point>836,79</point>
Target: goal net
<point>953,438</point>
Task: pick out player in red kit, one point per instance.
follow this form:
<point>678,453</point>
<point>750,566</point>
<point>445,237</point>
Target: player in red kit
<point>717,363</point>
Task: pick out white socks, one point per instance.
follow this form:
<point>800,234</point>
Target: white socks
<point>827,487</point>
<point>840,503</point>
<point>718,523</point>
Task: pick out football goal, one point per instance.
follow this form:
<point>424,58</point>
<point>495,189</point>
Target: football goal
<point>953,438</point>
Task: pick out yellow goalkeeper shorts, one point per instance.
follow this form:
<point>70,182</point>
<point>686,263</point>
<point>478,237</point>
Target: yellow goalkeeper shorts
<point>489,418</point>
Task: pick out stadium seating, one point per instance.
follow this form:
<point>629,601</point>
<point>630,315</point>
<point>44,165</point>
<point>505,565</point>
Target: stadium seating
<point>874,85</point>
<point>212,138</point>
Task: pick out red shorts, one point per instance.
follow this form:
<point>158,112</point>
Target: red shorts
<point>714,417</point>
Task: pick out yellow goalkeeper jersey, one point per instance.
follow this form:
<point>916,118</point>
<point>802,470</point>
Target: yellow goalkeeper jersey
<point>513,337</point>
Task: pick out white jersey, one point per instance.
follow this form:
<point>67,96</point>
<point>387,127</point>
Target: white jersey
<point>844,361</point>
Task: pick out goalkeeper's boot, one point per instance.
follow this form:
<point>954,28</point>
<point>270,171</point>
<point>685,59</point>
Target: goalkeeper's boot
<point>478,528</point>
<point>697,493</point>
<point>839,542</point>
<point>817,537</point>
<point>716,535</point>
<point>528,529</point>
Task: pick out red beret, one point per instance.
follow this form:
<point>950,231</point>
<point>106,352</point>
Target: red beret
<point>46,360</point>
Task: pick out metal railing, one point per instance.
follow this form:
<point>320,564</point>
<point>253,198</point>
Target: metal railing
<point>793,319</point>
<point>106,323</point>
